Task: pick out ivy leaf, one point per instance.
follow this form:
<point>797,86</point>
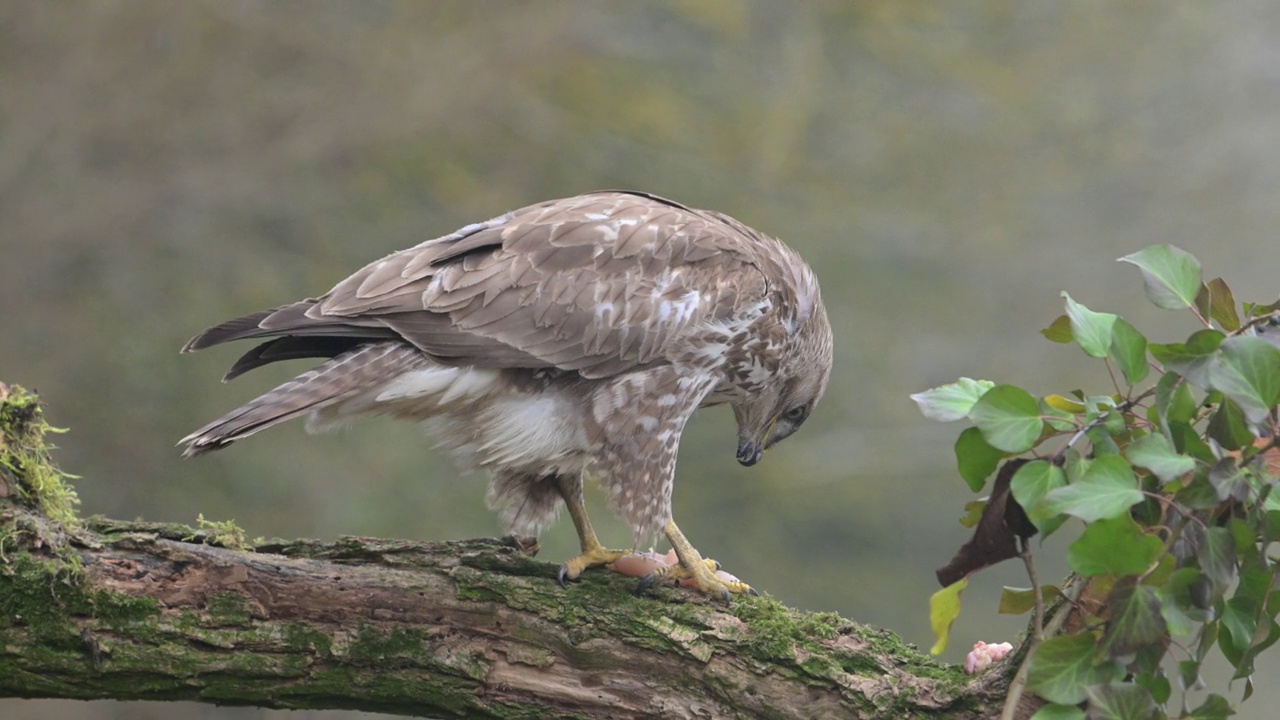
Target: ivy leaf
<point>1107,489</point>
<point>1016,601</point>
<point>951,402</point>
<point>1058,712</point>
<point>1009,418</point>
<point>1156,453</point>
<point>1247,370</point>
<point>1214,707</point>
<point>944,608</point>
<point>1114,545</point>
<point>1120,701</point>
<point>1135,621</point>
<point>1173,399</point>
<point>1156,683</point>
<point>1221,305</point>
<point>1217,554</point>
<point>1129,351</point>
<point>1171,275</point>
<point>1191,359</point>
<point>1064,404</point>
<point>1062,667</point>
<point>1092,330</point>
<point>1187,441</point>
<point>1240,618</point>
<point>1179,605</point>
<point>1059,330</point>
<point>972,513</point>
<point>1229,427</point>
<point>1030,484</point>
<point>975,459</point>
<point>1229,481</point>
<point>1245,666</point>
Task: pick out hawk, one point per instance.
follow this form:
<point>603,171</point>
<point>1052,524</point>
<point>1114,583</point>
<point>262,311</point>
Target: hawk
<point>568,339</point>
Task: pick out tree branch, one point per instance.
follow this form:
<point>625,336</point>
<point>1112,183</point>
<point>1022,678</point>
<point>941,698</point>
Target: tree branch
<point>475,629</point>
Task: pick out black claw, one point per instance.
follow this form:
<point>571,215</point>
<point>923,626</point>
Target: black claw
<point>728,599</point>
<point>645,583</point>
<point>753,591</point>
<point>717,562</point>
<point>562,576</point>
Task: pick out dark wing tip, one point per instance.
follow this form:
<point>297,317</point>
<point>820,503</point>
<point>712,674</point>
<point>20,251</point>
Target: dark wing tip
<point>240,327</point>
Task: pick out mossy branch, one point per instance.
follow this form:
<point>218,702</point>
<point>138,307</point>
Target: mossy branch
<point>475,629</point>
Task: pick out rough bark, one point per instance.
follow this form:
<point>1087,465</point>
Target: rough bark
<point>475,629</point>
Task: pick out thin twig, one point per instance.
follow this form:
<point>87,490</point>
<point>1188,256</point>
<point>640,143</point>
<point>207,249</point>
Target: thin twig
<point>1037,625</point>
<point>1122,407</point>
<point>1018,685</point>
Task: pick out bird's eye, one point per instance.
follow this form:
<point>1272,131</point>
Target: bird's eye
<point>796,414</point>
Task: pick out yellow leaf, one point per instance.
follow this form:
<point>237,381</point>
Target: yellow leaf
<point>944,608</point>
<point>1067,405</point>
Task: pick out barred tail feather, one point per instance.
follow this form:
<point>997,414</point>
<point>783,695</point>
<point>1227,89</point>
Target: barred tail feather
<point>339,380</point>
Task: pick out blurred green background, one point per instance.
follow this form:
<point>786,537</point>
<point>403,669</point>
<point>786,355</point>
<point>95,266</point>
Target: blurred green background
<point>948,168</point>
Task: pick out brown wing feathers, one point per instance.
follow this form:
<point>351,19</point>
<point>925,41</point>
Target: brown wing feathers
<point>568,284</point>
<point>342,378</point>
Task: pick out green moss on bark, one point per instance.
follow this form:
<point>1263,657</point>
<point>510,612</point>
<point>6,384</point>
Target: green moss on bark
<point>25,460</point>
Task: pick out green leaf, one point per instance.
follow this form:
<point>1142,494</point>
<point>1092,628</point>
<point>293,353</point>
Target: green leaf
<point>1059,330</point>
<point>1114,545</point>
<point>1158,685</point>
<point>1214,707</point>
<point>1245,664</point>
<point>1198,494</point>
<point>1120,701</point>
<point>1247,370</point>
<point>1229,481</point>
<point>1217,555</point>
<point>1135,621</point>
<point>1229,427</point>
<point>1222,305</point>
<point>1057,419</point>
<point>1107,489</point>
<point>1016,601</point>
<point>1129,351</point>
<point>1171,275</point>
<point>1009,418</point>
<point>1092,330</point>
<point>975,459</point>
<point>1180,609</point>
<point>951,402</point>
<point>1174,401</point>
<point>973,513</point>
<point>1058,712</point>
<point>1030,484</point>
<point>1273,517</point>
<point>1186,440</point>
<point>1062,667</point>
<point>944,608</point>
<point>1189,675</point>
<point>1156,453</point>
<point>1191,359</point>
<point>1240,618</point>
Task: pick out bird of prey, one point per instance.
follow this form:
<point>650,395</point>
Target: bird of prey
<point>568,339</point>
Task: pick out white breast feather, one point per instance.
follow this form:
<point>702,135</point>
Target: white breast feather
<point>439,383</point>
<point>529,429</point>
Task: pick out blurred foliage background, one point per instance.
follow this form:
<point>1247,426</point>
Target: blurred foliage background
<point>948,168</point>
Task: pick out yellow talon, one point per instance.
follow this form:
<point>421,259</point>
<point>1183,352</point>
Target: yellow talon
<point>591,557</point>
<point>697,571</point>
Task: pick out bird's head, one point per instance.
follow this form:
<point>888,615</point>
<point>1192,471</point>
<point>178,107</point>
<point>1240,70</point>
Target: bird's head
<point>779,410</point>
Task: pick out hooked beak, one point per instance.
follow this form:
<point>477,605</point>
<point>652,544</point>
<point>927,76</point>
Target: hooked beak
<point>750,452</point>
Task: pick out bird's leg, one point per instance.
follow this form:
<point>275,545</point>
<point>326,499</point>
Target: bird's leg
<point>694,567</point>
<point>593,553</point>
